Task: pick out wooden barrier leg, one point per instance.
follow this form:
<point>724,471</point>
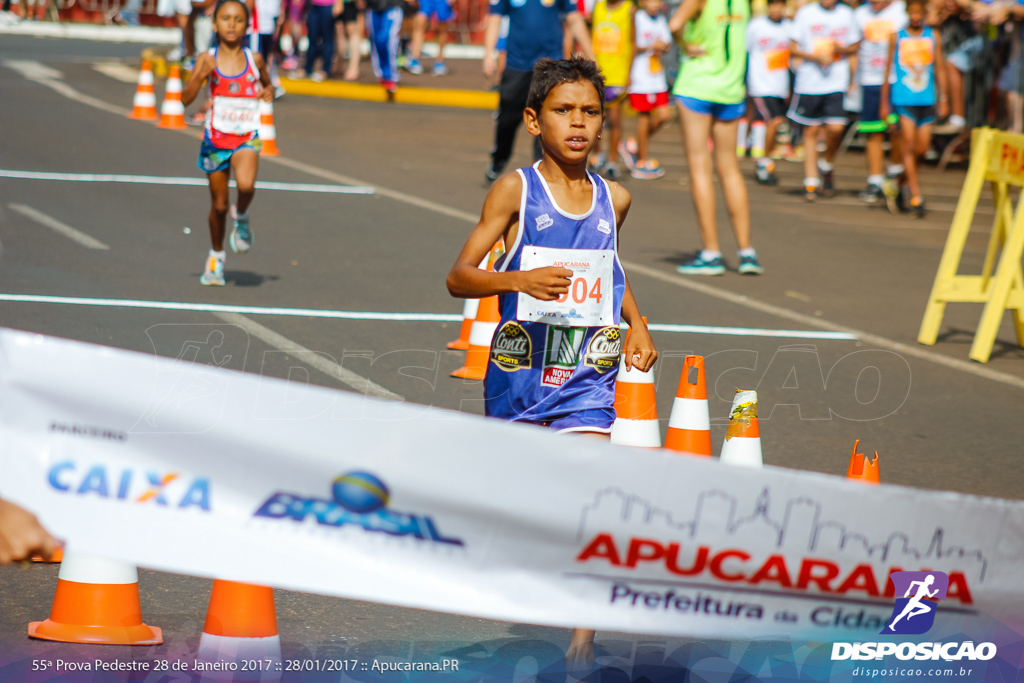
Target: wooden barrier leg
<point>1008,273</point>
<point>957,238</point>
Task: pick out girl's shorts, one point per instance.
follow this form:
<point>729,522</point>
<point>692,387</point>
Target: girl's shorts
<point>215,159</point>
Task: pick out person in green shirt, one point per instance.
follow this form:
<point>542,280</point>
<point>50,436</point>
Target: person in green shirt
<point>711,95</point>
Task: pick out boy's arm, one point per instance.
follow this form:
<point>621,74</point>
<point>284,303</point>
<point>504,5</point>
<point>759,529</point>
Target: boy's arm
<point>490,63</point>
<point>467,280</point>
<point>883,106</point>
<point>640,351</point>
<point>940,78</point>
<point>203,68</point>
<point>577,26</point>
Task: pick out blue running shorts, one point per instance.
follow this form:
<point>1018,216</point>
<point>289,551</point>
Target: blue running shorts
<point>593,420</point>
<point>718,111</point>
<point>439,8</point>
<point>214,159</point>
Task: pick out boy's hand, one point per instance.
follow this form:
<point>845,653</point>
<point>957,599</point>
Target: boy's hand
<point>659,46</point>
<point>267,94</point>
<point>546,284</point>
<point>490,65</point>
<point>21,535</point>
<point>640,351</point>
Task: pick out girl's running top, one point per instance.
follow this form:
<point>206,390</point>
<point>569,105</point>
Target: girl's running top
<point>234,116</point>
<point>554,358</point>
<point>915,69</point>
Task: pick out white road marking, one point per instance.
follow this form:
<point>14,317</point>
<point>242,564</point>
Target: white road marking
<point>750,332</point>
<point>32,69</point>
<point>55,225</point>
<point>970,368</point>
<point>119,72</point>
<point>325,365</point>
<point>170,180</point>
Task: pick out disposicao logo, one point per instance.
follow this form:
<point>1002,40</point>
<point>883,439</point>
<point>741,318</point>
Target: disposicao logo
<point>359,499</point>
<point>914,615</point>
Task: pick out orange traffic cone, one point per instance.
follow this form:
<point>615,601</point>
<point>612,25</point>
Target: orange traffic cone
<point>743,439</point>
<point>241,624</point>
<point>144,104</point>
<point>487,318</point>
<point>97,601</point>
<point>172,111</point>
<point>56,557</point>
<point>636,411</point>
<point>268,131</point>
<point>689,425</point>
<point>862,468</point>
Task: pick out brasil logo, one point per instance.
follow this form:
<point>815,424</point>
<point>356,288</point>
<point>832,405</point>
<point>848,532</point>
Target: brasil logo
<point>357,499</point>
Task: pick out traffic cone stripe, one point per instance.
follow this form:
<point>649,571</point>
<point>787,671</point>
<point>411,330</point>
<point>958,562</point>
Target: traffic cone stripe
<point>88,569</point>
<point>172,112</point>
<point>639,433</point>
<point>689,413</point>
<point>144,102</point>
<point>469,310</point>
<point>635,401</point>
<point>483,333</point>
<point>268,131</point>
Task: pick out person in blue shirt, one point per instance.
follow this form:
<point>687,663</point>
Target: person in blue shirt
<point>917,93</point>
<point>534,31</point>
<point>562,292</point>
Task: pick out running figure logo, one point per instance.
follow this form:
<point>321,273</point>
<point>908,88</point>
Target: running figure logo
<point>913,614</point>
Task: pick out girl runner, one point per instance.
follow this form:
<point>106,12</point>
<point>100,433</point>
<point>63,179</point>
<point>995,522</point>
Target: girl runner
<point>232,138</point>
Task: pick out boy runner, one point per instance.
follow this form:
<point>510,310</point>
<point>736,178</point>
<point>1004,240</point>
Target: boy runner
<point>768,83</point>
<point>877,20</point>
<point>554,363</point>
<point>824,36</point>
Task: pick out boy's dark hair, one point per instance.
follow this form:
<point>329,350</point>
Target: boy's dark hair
<point>922,3</point>
<point>548,73</point>
<point>221,3</point>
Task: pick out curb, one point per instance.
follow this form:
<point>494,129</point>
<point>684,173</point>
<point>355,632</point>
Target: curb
<point>114,34</point>
<point>438,97</point>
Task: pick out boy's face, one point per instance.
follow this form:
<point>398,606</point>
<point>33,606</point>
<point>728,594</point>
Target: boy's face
<point>569,121</point>
<point>915,15</point>
<point>776,10</point>
<point>652,7</point>
<point>230,22</point>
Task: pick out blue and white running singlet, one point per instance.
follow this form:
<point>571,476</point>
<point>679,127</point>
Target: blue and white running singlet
<point>551,359</point>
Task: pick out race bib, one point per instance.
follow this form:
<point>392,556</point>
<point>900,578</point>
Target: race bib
<point>823,47</point>
<point>588,303</point>
<point>655,65</point>
<point>776,60</point>
<point>878,31</point>
<point>607,39</point>
<point>236,115</point>
<point>917,51</point>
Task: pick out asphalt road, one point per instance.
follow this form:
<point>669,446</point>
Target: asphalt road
<point>936,425</point>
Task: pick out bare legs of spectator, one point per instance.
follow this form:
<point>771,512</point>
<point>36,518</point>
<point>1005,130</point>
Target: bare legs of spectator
<point>354,29</point>
<point>833,137</point>
<point>916,141</point>
<point>697,130</point>
<point>955,79</point>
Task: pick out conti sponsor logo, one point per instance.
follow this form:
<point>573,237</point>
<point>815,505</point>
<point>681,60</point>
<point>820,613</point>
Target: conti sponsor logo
<point>604,350</point>
<point>512,348</point>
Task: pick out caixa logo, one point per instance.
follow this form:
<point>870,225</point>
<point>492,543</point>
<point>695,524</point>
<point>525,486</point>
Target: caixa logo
<point>914,614</point>
<point>358,499</point>
<point>168,489</point>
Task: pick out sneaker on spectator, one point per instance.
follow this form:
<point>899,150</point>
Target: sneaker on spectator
<point>413,66</point>
<point>893,196</point>
<point>917,207</point>
<point>279,92</point>
<point>595,164</point>
<point>647,170</point>
<point>749,265</point>
<point>871,194</point>
<point>390,86</point>
<point>318,77</point>
<point>699,266</point>
<point>765,175</point>
<point>811,192</point>
<point>440,69</point>
<point>628,153</point>
<point>175,55</point>
<point>611,171</point>
<point>290,63</point>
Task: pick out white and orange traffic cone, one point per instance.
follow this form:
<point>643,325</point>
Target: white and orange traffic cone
<point>636,410</point>
<point>172,111</point>
<point>144,103</point>
<point>689,424</point>
<point>268,131</point>
<point>97,601</point>
<point>862,468</point>
<point>743,439</point>
<point>484,326</point>
<point>241,625</point>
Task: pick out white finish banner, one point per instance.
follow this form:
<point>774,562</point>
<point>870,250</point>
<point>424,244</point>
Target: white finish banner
<point>189,468</point>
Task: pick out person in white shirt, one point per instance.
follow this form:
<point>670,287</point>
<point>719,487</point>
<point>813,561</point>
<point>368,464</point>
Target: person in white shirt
<point>824,37</point>
<point>648,87</point>
<point>877,21</point>
<point>767,84</point>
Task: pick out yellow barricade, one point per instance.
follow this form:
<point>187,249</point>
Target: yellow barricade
<point>998,158</point>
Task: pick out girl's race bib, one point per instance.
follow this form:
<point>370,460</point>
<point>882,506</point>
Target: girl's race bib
<point>588,303</point>
<point>236,115</point>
